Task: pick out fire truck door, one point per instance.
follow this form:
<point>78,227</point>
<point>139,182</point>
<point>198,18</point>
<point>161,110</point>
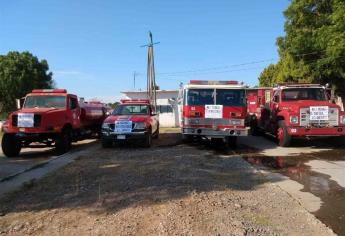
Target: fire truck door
<point>274,109</point>
<point>74,112</point>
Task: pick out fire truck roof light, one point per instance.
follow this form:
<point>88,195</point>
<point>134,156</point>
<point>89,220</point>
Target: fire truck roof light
<point>214,82</point>
<point>49,91</point>
<point>135,101</point>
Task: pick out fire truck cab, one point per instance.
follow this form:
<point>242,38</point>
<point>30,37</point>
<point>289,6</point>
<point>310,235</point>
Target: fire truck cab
<point>214,110</point>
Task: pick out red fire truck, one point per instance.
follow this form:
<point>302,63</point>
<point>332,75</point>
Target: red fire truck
<point>51,116</point>
<point>294,110</point>
<point>214,110</point>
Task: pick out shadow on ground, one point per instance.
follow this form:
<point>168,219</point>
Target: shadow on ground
<point>109,180</point>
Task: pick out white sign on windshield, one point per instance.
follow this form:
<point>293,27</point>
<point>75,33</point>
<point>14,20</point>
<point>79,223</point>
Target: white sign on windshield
<point>123,127</point>
<point>319,113</point>
<point>214,111</point>
<point>25,120</point>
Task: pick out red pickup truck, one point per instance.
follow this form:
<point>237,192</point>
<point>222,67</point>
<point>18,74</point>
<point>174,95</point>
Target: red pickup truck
<point>51,117</point>
<point>131,120</point>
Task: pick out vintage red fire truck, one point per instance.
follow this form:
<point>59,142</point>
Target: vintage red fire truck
<point>214,110</point>
<point>294,110</point>
<point>134,119</point>
<point>51,117</point>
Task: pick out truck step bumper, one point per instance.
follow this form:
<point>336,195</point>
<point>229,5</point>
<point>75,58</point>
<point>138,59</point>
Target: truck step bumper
<point>207,132</point>
<point>122,137</point>
<point>317,132</point>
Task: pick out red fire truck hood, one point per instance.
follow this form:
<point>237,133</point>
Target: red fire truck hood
<point>306,103</point>
<point>134,118</point>
<point>38,110</point>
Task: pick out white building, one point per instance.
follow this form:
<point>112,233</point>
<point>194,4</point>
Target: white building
<point>167,107</point>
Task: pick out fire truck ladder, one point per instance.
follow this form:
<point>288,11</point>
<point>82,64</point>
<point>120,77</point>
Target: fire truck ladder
<point>151,78</point>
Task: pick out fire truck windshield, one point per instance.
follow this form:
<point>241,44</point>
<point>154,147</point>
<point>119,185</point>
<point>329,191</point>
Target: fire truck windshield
<point>226,97</point>
<point>199,97</point>
<point>131,110</point>
<point>230,97</point>
<point>45,102</point>
<point>295,94</point>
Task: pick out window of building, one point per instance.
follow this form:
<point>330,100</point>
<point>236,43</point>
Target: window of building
<point>164,109</point>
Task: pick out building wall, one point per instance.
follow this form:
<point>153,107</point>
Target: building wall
<point>164,98</point>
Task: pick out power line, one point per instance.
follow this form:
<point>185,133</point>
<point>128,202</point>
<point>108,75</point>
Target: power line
<point>216,68</point>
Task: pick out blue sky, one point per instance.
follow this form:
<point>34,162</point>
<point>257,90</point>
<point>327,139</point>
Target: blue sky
<point>93,47</point>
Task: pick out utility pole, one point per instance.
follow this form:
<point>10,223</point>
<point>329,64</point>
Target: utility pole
<point>151,77</point>
<point>134,75</point>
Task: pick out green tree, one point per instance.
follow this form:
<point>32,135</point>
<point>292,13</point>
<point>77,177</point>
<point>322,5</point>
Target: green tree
<point>19,74</point>
<point>313,48</point>
<point>267,76</point>
<point>113,105</point>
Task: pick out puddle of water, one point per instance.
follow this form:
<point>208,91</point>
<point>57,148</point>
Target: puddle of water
<point>314,180</point>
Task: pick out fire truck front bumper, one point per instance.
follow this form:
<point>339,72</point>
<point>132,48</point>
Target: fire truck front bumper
<point>316,131</point>
<point>209,132</point>
<point>112,136</point>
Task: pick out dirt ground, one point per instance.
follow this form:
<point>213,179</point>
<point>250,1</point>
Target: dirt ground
<point>170,189</point>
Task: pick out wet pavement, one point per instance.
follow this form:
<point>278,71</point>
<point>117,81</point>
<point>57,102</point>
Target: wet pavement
<point>321,174</point>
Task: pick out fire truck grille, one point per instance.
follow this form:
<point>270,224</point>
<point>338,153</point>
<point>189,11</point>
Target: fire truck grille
<point>37,120</point>
<point>112,126</point>
<point>15,120</point>
<point>333,116</point>
<point>209,121</point>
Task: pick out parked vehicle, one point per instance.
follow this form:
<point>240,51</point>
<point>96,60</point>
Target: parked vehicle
<point>294,110</point>
<point>214,110</point>
<point>51,117</point>
<point>134,119</point>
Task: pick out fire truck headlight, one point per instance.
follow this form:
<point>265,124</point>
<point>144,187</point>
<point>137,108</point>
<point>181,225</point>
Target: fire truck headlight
<point>342,120</point>
<point>139,125</point>
<point>235,122</point>
<point>294,120</point>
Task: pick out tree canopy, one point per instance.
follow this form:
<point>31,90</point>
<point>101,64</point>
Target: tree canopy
<point>19,74</point>
<point>313,48</point>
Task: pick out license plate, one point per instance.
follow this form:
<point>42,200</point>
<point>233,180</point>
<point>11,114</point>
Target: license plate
<point>121,136</point>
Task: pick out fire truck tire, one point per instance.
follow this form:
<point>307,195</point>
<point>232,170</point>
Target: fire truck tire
<point>187,138</point>
<point>156,136</point>
<point>232,142</point>
<point>11,146</point>
<point>284,139</point>
<point>148,140</point>
<point>63,141</point>
<point>106,143</point>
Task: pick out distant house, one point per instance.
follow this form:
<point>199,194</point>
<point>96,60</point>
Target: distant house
<point>167,106</point>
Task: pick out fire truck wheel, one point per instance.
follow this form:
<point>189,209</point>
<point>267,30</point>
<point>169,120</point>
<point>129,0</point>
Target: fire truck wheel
<point>254,128</point>
<point>63,141</point>
<point>156,133</point>
<point>187,138</point>
<point>11,146</point>
<point>148,140</point>
<point>232,142</point>
<point>284,139</point>
<point>106,143</point>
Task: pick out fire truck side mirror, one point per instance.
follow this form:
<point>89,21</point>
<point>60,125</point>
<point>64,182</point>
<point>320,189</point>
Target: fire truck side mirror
<point>19,103</point>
